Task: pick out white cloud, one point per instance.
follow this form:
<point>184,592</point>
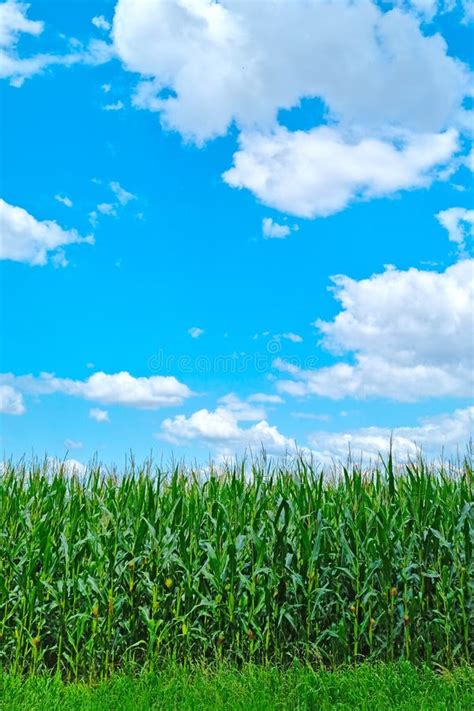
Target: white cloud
<point>72,467</point>
<point>59,259</point>
<point>264,334</point>
<point>310,416</point>
<point>371,68</point>
<point>265,398</point>
<point>468,6</point>
<point>447,433</point>
<point>469,160</point>
<point>73,444</point>
<point>26,239</point>
<point>410,333</point>
<point>64,200</point>
<point>319,172</point>
<point>459,223</point>
<point>94,53</point>
<point>122,195</point>
<point>220,429</point>
<point>117,389</point>
<point>272,230</point>
<point>117,106</point>
<point>244,410</point>
<point>99,415</point>
<point>11,401</point>
<point>426,9</point>
<point>275,339</point>
<point>405,314</point>
<point>69,467</point>
<point>101,23</point>
<point>14,23</point>
<point>294,337</point>
<point>392,95</point>
<point>106,88</point>
<point>195,331</point>
<point>106,208</point>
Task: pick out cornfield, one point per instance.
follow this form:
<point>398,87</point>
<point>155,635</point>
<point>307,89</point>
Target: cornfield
<point>263,563</point>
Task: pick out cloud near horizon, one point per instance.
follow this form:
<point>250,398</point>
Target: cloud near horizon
<point>447,434</point>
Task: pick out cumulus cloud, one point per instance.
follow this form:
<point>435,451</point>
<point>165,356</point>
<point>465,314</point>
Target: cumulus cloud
<point>445,433</point>
<point>195,331</point>
<point>23,238</point>
<point>221,431</point>
<point>459,223</point>
<point>114,389</point>
<point>389,90</point>
<point>371,68</point>
<point>11,401</point>
<point>409,334</point>
<point>68,467</point>
<point>319,172</point>
<point>95,413</point>
<point>392,95</point>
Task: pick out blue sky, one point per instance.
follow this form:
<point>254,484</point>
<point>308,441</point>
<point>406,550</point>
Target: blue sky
<point>182,181</point>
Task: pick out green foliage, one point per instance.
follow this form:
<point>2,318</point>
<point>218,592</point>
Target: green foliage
<point>260,564</point>
<point>398,686</point>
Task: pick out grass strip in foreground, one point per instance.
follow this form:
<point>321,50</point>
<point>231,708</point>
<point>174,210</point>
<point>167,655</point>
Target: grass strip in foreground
<point>371,687</point>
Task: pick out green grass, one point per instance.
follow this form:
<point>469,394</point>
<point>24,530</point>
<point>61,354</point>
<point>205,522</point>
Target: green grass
<point>395,686</point>
<point>264,566</point>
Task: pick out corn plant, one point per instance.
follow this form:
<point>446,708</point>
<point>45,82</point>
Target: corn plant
<point>259,563</point>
